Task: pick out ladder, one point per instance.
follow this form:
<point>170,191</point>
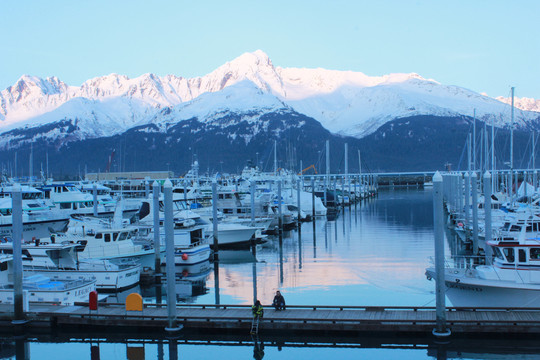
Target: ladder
<point>255,325</point>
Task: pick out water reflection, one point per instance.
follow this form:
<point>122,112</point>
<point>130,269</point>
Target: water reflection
<point>204,346</point>
<point>373,253</point>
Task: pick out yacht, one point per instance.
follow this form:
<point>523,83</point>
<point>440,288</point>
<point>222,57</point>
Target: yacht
<point>99,240</point>
<point>36,223</point>
<point>512,280</point>
<point>60,261</point>
<point>40,288</point>
<point>69,198</point>
<point>190,245</point>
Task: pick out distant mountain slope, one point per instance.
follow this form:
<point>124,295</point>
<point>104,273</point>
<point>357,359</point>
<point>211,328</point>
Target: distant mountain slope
<point>345,102</point>
<point>235,113</point>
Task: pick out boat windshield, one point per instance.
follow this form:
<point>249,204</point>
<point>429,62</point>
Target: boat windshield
<point>498,254</point>
<point>509,254</point>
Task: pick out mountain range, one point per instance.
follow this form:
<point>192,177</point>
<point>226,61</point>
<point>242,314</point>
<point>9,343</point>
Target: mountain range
<point>236,112</point>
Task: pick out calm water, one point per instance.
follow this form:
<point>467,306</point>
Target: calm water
<point>373,254</point>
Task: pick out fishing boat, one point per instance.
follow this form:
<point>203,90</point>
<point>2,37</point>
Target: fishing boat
<point>99,240</point>
<point>60,261</point>
<point>40,288</point>
<point>512,280</point>
<point>70,199</point>
<point>36,224</point>
<point>190,246</point>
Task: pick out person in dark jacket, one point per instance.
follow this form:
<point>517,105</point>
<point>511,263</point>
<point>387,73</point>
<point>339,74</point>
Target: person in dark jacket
<point>279,301</point>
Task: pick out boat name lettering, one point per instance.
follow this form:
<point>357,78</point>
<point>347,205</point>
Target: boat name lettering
<point>464,287</point>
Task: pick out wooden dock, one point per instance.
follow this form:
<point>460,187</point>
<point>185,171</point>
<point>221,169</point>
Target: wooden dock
<point>327,319</point>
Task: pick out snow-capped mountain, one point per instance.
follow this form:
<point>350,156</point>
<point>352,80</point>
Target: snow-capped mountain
<point>344,102</point>
<point>528,104</point>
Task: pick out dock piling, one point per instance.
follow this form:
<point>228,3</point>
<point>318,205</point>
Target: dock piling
<point>440,330</point>
<point>215,220</point>
<point>156,189</point>
<point>170,266</point>
<point>17,235</point>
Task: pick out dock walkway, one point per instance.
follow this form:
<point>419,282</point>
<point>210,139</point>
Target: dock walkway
<point>351,319</point>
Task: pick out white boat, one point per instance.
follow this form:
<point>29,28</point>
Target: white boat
<point>232,236</point>
<point>39,288</point>
<point>190,246</point>
<point>513,280</point>
<point>60,261</point>
<point>36,224</point>
<point>99,241</point>
<point>70,199</point>
<point>105,198</point>
<point>108,275</point>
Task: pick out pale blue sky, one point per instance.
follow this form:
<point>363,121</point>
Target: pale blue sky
<point>485,46</point>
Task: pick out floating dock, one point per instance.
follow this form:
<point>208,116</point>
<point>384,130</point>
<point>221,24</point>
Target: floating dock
<point>317,319</point>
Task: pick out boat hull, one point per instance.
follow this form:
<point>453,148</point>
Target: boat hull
<point>78,292</point>
<point>192,255</point>
<point>106,280</point>
<point>465,291</point>
<point>36,229</point>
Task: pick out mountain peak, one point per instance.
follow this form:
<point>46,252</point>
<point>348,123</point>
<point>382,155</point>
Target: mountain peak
<point>258,58</point>
<point>28,85</point>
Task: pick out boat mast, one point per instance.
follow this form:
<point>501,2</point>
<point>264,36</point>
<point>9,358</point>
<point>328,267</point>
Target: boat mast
<point>359,163</point>
<point>275,157</point>
<point>493,177</point>
<point>474,141</point>
<point>31,165</point>
<point>486,148</point>
<point>512,146</point>
<point>533,150</point>
<point>347,182</point>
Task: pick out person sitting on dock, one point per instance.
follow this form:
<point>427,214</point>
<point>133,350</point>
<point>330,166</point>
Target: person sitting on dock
<point>257,310</point>
<point>279,301</point>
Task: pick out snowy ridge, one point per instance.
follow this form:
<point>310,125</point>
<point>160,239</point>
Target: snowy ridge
<point>528,104</point>
<point>344,102</point>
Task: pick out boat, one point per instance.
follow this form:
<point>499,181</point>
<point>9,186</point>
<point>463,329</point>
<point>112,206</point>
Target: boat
<point>36,224</point>
<point>99,240</point>
<point>60,261</point>
<point>40,288</point>
<point>511,281</point>
<point>190,246</point>
<point>130,208</point>
<point>70,199</point>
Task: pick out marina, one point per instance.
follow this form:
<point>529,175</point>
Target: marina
<point>335,276</point>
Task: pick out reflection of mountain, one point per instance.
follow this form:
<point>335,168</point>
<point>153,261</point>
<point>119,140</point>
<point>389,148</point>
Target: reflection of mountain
<point>236,256</point>
<point>403,207</point>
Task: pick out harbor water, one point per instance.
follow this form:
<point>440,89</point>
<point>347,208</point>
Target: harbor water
<point>373,254</point>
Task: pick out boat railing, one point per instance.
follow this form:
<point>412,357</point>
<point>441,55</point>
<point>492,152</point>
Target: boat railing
<point>461,262</point>
<point>194,244</point>
<point>97,252</point>
<point>54,284</point>
<point>37,268</point>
